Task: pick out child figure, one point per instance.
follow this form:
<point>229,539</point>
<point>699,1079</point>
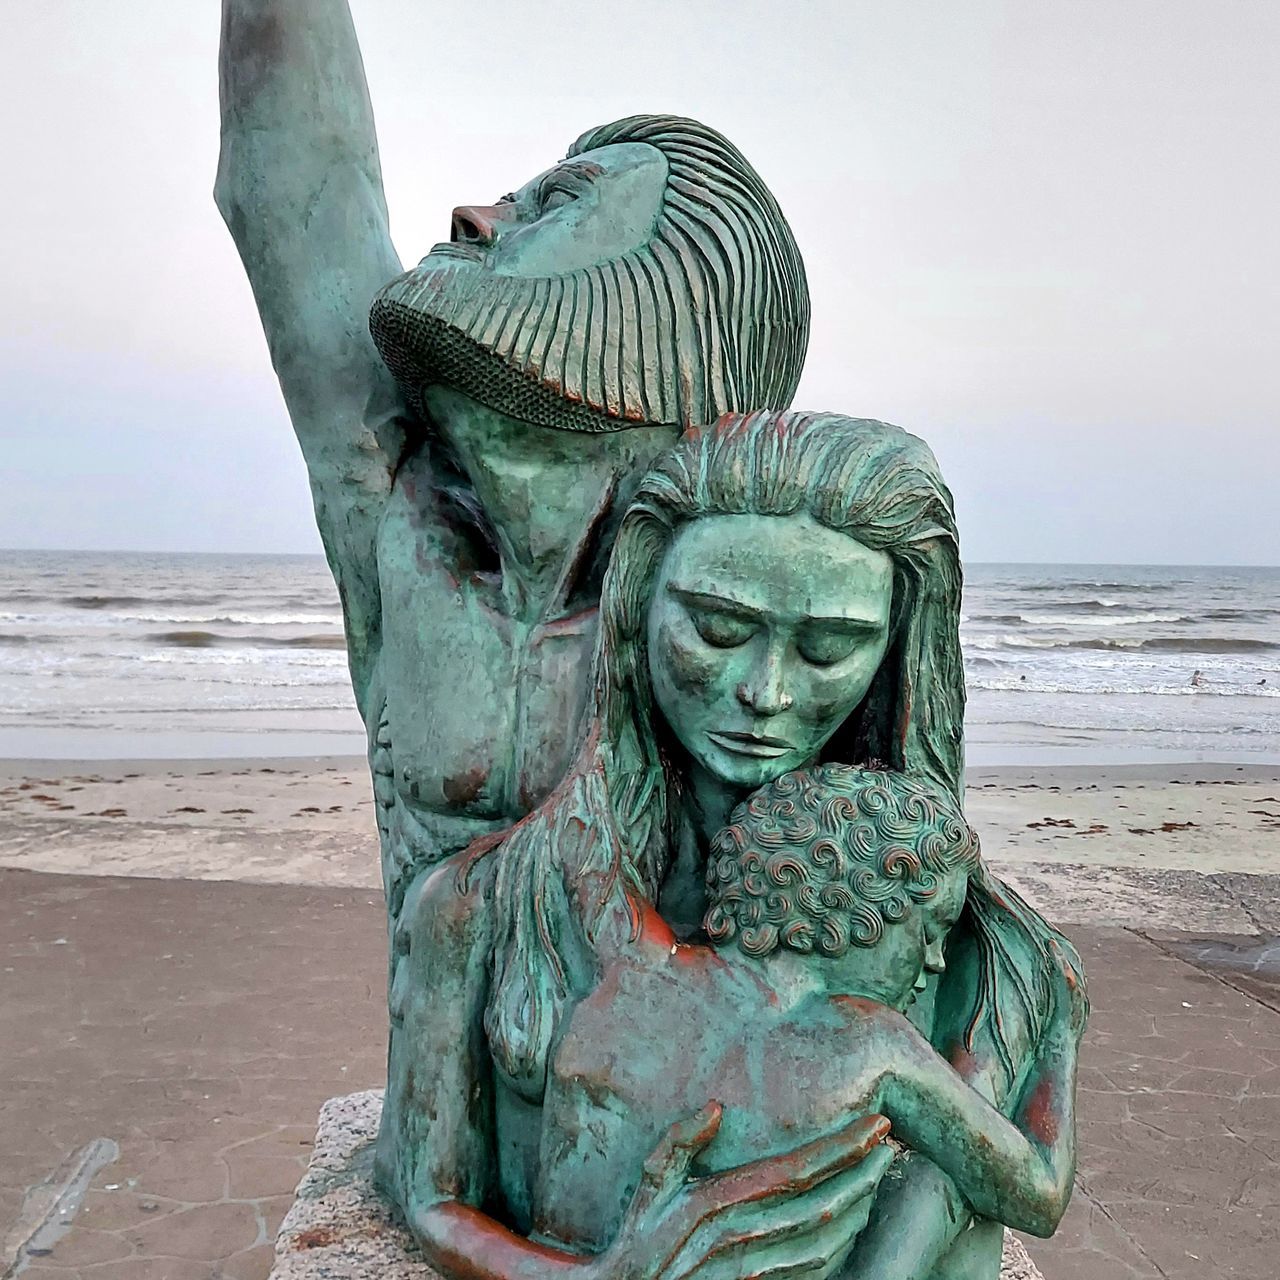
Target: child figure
<point>830,896</point>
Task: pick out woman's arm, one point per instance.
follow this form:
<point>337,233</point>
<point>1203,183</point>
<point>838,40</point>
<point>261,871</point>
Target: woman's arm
<point>436,1147</point>
<point>788,1214</point>
<point>436,1138</point>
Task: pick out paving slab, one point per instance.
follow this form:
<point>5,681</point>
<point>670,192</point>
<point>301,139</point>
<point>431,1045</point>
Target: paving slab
<point>199,1026</point>
<point>1250,964</point>
<point>1179,1170</point>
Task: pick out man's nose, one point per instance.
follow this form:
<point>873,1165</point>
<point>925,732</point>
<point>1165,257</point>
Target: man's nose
<point>480,223</point>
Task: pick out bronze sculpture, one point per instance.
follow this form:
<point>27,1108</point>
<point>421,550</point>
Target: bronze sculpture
<point>830,893</point>
<point>794,650</point>
<point>781,593</point>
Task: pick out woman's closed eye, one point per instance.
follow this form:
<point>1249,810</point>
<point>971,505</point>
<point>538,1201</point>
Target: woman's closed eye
<point>826,645</point>
<point>722,630</point>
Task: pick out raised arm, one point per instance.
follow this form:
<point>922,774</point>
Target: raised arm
<point>300,189</point>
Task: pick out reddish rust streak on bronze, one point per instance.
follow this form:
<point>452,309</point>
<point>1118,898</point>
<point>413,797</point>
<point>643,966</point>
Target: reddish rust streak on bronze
<point>571,622</point>
<point>654,929</point>
<point>463,788</point>
<point>1041,1114</point>
<point>470,1246</point>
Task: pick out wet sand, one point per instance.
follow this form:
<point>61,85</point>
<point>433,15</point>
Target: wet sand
<point>1192,846</point>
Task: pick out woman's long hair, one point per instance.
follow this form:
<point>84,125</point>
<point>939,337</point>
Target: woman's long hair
<point>579,867</point>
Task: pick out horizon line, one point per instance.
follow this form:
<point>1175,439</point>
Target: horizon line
<point>319,555</point>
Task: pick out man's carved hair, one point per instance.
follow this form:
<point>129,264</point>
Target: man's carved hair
<point>710,316</point>
<point>823,859</point>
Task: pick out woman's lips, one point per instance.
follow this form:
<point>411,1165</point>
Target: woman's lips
<point>749,744</point>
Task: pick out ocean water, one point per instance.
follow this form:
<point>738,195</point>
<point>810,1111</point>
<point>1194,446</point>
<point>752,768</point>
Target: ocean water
<point>1113,663</point>
<point>123,655</point>
<point>133,655</point>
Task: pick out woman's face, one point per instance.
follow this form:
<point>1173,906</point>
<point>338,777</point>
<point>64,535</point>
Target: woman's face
<point>764,634</point>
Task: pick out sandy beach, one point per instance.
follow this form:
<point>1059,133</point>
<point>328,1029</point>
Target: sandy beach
<point>1193,846</point>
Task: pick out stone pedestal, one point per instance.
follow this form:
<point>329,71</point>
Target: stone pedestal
<point>339,1228</point>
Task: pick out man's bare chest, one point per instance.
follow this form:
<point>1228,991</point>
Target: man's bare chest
<point>483,711</point>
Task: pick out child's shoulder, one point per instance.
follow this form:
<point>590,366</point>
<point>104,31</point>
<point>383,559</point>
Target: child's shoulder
<point>863,1008</point>
<point>864,1015</point>
<point>664,997</point>
<point>884,1034</point>
<point>673,978</point>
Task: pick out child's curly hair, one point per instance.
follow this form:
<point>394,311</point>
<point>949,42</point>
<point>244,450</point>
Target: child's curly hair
<point>822,859</point>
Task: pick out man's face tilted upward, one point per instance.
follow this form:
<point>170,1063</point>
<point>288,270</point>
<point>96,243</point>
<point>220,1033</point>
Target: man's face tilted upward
<point>582,213</point>
<point>648,279</point>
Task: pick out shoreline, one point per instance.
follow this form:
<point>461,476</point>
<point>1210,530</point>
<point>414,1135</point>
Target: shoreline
<point>58,749</point>
<point>1027,772</point>
<point>1172,845</point>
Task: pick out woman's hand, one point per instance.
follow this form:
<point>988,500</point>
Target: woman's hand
<point>794,1212</point>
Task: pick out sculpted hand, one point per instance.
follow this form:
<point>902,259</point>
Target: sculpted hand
<point>785,1214</point>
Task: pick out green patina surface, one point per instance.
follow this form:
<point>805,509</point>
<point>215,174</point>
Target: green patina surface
<point>620,1044</point>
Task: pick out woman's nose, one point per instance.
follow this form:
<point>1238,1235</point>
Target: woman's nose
<point>934,961</point>
<point>480,223</point>
<point>762,690</point>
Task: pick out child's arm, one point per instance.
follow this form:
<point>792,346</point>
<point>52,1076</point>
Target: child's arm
<point>1016,1172</point>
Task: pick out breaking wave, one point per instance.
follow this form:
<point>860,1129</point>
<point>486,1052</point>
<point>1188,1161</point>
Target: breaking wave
<point>214,640</point>
<point>1149,644</point>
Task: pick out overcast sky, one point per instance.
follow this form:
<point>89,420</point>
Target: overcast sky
<point>1043,236</point>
